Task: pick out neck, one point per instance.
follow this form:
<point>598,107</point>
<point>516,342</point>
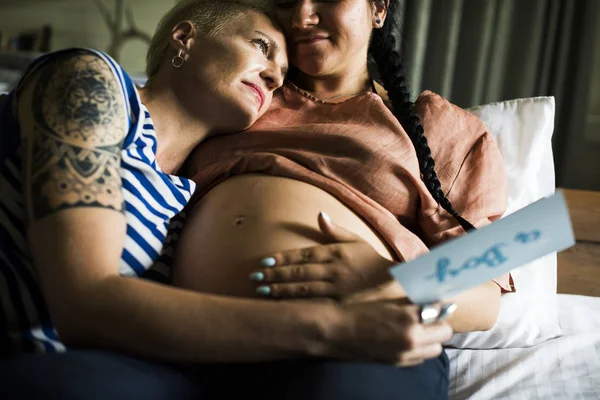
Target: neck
<point>349,82</point>
<point>177,132</point>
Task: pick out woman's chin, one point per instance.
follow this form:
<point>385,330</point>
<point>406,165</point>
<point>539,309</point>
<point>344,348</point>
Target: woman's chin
<point>241,118</point>
<point>313,67</point>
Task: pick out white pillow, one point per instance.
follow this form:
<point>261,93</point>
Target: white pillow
<point>523,130</point>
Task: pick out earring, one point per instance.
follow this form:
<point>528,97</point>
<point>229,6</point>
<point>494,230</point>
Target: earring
<point>378,21</point>
<point>178,60</point>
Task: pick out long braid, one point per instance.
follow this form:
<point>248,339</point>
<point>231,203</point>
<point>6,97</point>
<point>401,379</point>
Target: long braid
<point>384,51</point>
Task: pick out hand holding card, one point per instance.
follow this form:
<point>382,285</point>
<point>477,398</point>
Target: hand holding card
<point>478,257</point>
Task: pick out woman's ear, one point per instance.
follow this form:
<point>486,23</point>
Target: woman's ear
<point>182,37</point>
<point>379,13</point>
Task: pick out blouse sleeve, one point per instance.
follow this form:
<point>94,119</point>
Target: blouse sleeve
<point>471,172</point>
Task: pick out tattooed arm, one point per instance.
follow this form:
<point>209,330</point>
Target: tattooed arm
<point>73,121</point>
<point>72,117</point>
<point>74,141</point>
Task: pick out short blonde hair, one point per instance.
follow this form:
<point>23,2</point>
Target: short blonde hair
<point>208,16</point>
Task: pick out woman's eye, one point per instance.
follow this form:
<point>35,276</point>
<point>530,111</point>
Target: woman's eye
<point>263,45</point>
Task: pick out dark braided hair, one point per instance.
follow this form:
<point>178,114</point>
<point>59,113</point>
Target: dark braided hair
<point>385,52</point>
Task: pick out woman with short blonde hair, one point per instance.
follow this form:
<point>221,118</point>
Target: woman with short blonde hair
<point>89,181</point>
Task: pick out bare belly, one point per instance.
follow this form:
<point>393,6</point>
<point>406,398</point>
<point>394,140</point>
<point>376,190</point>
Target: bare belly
<point>247,218</point>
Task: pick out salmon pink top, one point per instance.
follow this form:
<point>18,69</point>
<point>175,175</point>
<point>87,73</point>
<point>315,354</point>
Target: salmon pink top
<point>358,152</point>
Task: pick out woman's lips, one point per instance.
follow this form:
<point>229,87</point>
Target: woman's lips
<point>260,94</point>
<point>309,39</point>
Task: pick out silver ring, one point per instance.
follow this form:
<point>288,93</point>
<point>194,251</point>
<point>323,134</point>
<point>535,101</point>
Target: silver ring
<point>446,311</point>
<point>429,314</point>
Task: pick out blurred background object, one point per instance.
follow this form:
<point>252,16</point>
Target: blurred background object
<point>119,35</point>
<point>121,28</point>
<point>472,52</point>
<point>480,51</point>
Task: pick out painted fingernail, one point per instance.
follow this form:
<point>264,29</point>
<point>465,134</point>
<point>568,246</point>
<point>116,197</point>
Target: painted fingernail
<point>446,311</point>
<point>257,277</point>
<point>263,290</point>
<point>268,262</point>
<point>326,216</point>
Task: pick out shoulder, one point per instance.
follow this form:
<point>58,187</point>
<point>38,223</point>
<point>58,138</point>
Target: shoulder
<point>455,136</point>
<point>447,125</point>
<point>75,93</point>
<point>433,108</point>
<point>74,69</point>
<point>71,61</point>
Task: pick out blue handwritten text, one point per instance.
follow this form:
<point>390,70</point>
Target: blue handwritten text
<point>493,257</point>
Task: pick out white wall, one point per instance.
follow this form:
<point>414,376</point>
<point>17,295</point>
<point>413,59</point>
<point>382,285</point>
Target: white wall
<point>78,23</point>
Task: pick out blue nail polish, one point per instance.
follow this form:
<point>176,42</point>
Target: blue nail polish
<point>268,262</point>
<point>263,290</point>
<point>257,276</point>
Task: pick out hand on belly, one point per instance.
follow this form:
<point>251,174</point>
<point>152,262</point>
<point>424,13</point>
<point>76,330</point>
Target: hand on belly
<point>348,270</point>
<point>248,218</point>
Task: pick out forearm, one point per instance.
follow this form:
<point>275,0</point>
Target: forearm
<point>151,320</point>
<point>477,310</point>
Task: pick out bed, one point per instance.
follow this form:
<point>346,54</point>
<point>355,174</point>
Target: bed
<point>567,367</point>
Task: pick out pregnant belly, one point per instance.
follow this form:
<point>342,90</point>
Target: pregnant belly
<point>247,218</point>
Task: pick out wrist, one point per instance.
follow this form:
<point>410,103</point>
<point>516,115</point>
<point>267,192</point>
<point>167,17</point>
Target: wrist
<point>325,319</point>
<point>389,290</point>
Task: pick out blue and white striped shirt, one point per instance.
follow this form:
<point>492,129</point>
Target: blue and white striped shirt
<point>152,199</point>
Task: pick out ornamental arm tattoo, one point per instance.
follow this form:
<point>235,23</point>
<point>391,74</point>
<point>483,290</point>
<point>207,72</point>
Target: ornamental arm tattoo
<point>73,146</point>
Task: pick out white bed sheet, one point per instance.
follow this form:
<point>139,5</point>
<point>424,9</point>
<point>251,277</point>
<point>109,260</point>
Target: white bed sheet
<point>563,369</point>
